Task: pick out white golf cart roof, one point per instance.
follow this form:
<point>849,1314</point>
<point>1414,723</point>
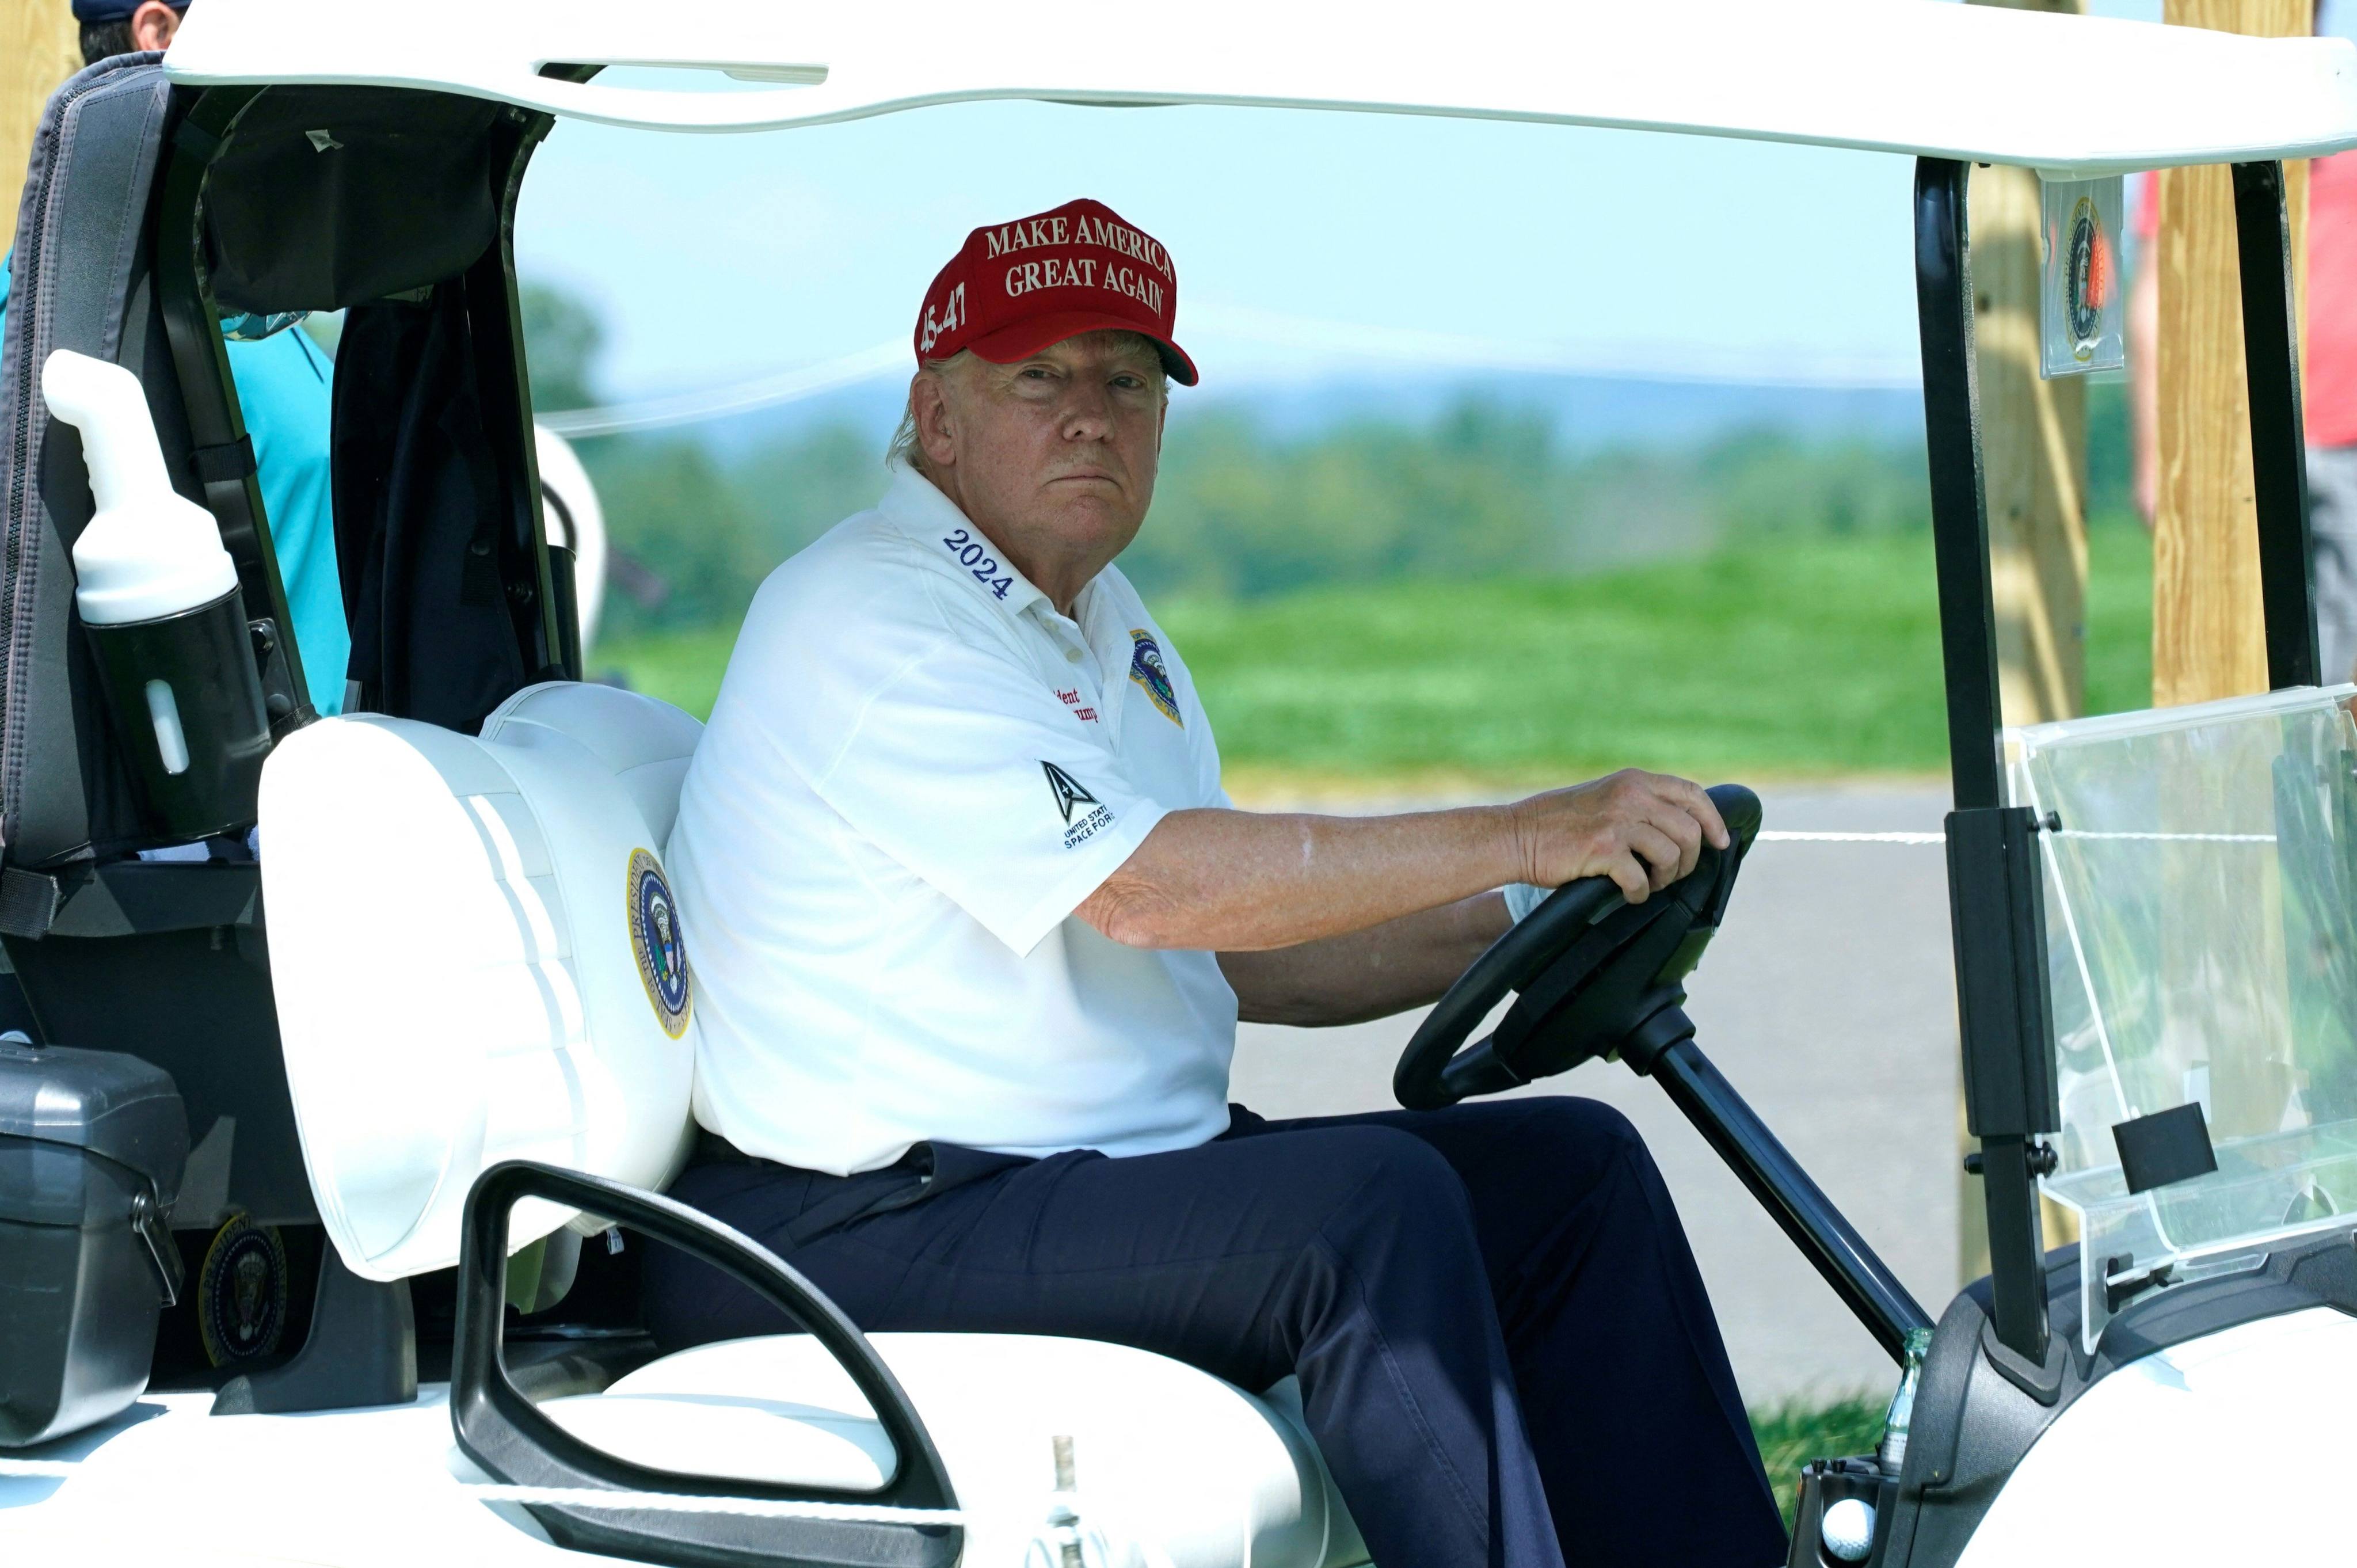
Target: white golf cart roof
<point>2070,95</point>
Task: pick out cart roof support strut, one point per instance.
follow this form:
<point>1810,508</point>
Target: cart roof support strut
<point>1996,901</point>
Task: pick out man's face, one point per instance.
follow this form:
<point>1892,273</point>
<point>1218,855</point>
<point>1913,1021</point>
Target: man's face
<point>1052,457</point>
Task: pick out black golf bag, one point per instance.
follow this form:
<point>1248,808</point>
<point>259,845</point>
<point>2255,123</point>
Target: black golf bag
<point>149,212</point>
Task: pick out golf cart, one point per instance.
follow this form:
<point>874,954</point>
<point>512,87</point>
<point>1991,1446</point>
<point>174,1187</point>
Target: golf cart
<point>322,1187</point>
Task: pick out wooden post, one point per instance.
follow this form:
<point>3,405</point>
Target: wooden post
<point>2033,453</point>
<point>2034,468</point>
<point>39,48</point>
<point>2208,634</point>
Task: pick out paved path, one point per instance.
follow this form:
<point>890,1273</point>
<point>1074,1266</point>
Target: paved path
<point>1827,1000</point>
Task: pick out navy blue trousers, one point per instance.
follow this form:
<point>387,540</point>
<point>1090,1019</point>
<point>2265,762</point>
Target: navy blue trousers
<point>1505,1351</point>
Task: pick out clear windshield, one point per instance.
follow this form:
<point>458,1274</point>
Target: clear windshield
<point>2202,933</point>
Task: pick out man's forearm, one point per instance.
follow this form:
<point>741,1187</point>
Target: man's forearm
<point>1373,973</point>
<point>1231,882</point>
<point>1245,881</point>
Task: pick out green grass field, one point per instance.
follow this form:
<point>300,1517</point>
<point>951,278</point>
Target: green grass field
<point>1809,657</point>
<point>1790,1435</point>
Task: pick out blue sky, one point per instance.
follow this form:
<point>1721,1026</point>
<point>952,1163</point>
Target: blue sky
<point>1309,245</point>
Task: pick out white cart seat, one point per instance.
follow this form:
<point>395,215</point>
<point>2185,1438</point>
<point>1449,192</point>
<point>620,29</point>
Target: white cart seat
<point>467,972</point>
<point>1211,1475</point>
<point>460,940</point>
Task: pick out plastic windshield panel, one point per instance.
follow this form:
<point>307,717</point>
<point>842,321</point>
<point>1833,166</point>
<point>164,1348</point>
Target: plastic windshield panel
<point>2201,929</point>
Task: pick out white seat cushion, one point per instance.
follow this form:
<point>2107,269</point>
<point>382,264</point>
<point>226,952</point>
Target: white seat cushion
<point>643,743</point>
<point>476,958</point>
<point>1212,1476</point>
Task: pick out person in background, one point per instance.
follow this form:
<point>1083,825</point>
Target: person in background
<point>285,384</point>
<point>2328,371</point>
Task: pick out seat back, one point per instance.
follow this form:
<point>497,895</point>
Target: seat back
<point>477,958</point>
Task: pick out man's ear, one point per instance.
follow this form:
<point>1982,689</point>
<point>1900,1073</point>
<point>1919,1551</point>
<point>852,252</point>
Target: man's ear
<point>153,25</point>
<point>935,428</point>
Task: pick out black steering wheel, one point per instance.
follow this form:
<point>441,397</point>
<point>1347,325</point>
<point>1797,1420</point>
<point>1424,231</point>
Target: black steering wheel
<point>1595,976</point>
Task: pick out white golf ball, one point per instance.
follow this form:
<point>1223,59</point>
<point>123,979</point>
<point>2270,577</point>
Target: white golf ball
<point>1848,1530</point>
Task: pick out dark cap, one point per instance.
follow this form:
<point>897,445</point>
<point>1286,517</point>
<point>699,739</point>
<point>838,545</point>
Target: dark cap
<point>93,12</point>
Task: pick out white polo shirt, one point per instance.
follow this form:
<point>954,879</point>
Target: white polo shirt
<point>915,772</point>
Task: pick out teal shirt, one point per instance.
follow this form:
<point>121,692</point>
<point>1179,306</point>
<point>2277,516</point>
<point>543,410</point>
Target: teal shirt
<point>285,384</point>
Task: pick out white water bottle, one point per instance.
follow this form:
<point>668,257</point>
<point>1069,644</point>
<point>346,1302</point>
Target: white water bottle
<point>160,602</point>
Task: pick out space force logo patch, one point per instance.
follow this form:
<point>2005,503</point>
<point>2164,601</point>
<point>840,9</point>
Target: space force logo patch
<point>1153,676</point>
<point>241,1292</point>
<point>655,938</point>
<point>1084,815</point>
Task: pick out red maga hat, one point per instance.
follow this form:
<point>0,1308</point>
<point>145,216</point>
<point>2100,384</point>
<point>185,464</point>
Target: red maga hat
<point>1014,288</point>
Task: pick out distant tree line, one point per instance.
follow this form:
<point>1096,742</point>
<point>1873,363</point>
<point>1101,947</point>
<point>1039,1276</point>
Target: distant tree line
<point>1483,489</point>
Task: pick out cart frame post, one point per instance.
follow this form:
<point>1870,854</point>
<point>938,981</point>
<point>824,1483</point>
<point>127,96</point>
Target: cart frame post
<point>1995,898</point>
<point>2007,1052</point>
<point>2278,448</point>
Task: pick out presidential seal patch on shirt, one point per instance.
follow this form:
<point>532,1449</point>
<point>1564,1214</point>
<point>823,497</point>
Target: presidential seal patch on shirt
<point>655,938</point>
<point>1145,668</point>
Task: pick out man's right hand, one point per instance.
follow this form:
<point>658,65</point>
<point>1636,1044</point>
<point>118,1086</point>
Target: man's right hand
<point>1645,831</point>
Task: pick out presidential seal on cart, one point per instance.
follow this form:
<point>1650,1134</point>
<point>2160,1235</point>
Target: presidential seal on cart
<point>241,1292</point>
<point>656,942</point>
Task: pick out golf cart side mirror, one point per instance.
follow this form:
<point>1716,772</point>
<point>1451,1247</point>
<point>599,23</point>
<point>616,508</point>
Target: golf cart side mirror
<point>502,1431</point>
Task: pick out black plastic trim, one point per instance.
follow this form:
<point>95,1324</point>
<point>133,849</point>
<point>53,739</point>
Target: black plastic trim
<point>1997,909</point>
<point>134,898</point>
<point>2278,447</point>
<point>226,463</point>
<point>2166,1146</point>
<point>232,493</point>
<point>1997,904</point>
<point>500,1429</point>
<point>540,620</point>
<point>1951,435</point>
<point>1976,1416</point>
<point>2000,1043</point>
<point>361,1351</point>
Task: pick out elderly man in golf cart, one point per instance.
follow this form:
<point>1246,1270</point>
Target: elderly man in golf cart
<point>973,921</point>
